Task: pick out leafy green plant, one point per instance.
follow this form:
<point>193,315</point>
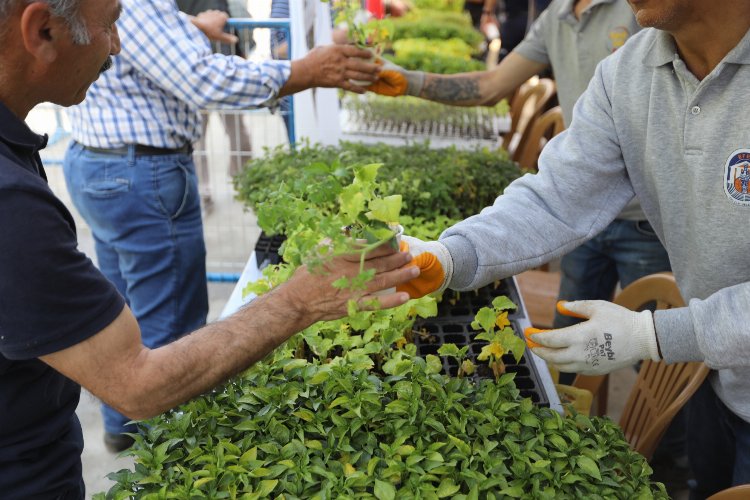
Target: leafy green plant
<point>435,25</point>
<point>442,5</point>
<point>297,429</point>
<point>495,329</point>
<point>346,409</point>
<point>438,186</point>
<point>435,56</point>
<point>363,34</point>
<point>465,366</point>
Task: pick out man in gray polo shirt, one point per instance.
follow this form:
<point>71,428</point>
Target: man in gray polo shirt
<point>661,119</point>
<point>571,37</point>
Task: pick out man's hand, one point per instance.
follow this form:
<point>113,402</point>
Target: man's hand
<point>612,338</point>
<point>393,81</point>
<point>434,262</point>
<point>332,66</point>
<point>211,23</point>
<point>313,295</point>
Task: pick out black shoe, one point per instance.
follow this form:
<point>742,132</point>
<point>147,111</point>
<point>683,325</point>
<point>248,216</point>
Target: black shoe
<point>115,443</point>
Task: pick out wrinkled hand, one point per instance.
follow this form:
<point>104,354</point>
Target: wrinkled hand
<point>338,65</point>
<point>434,262</point>
<point>612,338</point>
<point>393,81</point>
<point>211,23</point>
<point>315,297</point>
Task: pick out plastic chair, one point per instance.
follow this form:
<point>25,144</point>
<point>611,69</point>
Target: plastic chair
<point>542,130</point>
<point>741,492</point>
<point>660,389</point>
<point>530,99</point>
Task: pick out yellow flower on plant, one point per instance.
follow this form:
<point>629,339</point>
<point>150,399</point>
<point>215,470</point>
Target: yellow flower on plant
<point>502,320</point>
<point>493,349</point>
<point>400,343</point>
<point>349,469</point>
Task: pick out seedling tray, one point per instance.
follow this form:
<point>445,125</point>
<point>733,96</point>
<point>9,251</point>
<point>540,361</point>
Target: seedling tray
<point>465,305</point>
<point>267,249</point>
<point>438,331</point>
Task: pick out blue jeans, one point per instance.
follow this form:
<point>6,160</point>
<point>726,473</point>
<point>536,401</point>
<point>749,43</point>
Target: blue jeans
<point>144,213</point>
<point>718,444</point>
<point>625,251</point>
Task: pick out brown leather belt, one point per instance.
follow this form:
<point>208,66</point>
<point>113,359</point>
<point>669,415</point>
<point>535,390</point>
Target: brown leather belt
<point>141,150</point>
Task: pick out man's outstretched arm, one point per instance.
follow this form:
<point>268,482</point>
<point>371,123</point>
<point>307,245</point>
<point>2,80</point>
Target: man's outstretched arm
<point>160,379</point>
<point>479,88</point>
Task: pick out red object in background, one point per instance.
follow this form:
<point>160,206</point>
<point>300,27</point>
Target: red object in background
<point>376,8</point>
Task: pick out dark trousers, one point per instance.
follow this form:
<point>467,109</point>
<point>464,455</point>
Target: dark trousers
<point>718,444</point>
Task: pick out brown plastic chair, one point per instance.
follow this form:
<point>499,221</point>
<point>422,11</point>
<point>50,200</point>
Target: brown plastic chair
<point>660,389</point>
<point>542,130</point>
<point>741,492</point>
<point>530,99</point>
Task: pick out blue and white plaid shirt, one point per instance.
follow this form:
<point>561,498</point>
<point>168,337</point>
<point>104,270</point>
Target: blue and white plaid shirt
<point>163,76</point>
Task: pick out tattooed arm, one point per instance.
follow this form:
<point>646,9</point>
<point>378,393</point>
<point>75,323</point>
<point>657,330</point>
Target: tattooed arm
<point>484,88</point>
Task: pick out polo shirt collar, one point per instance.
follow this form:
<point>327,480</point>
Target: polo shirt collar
<point>565,9</point>
<point>740,54</point>
<point>663,50</point>
<point>15,132</point>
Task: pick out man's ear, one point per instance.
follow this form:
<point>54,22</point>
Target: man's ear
<point>40,31</point>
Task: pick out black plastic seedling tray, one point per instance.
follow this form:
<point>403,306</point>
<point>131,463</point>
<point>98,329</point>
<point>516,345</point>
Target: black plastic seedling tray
<point>467,304</point>
<point>438,331</point>
<point>456,311</point>
<point>267,249</point>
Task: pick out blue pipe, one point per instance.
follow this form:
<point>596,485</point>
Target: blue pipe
<point>222,277</point>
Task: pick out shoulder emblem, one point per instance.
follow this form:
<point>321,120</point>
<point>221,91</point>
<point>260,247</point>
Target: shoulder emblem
<point>617,38</point>
<point>737,177</point>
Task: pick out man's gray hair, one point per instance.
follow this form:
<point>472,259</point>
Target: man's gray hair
<point>65,9</point>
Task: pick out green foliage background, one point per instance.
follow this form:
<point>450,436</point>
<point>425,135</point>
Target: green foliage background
<point>438,186</point>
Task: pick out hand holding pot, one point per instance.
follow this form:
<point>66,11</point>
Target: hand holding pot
<point>613,337</point>
<point>435,265</point>
<point>338,66</point>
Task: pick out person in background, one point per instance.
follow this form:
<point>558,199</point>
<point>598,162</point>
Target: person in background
<point>654,112</point>
<point>239,137</point>
<point>516,18</point>
<point>483,13</point>
<point>129,167</point>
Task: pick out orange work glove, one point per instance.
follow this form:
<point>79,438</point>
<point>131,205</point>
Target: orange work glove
<point>435,264</point>
<point>393,81</point>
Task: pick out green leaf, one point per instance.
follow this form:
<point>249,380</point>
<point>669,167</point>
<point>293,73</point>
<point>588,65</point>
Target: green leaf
<point>461,445</point>
<point>352,203</point>
<point>367,173</point>
<point>425,307</point>
<point>589,467</point>
<point>485,318</point>
<point>267,486</point>
<point>502,303</point>
<point>447,488</point>
<point>434,365</point>
<point>384,490</point>
<point>294,363</point>
<point>448,350</point>
<point>385,209</point>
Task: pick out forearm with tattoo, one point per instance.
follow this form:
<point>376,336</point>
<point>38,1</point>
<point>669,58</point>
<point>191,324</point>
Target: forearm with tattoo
<point>453,90</point>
